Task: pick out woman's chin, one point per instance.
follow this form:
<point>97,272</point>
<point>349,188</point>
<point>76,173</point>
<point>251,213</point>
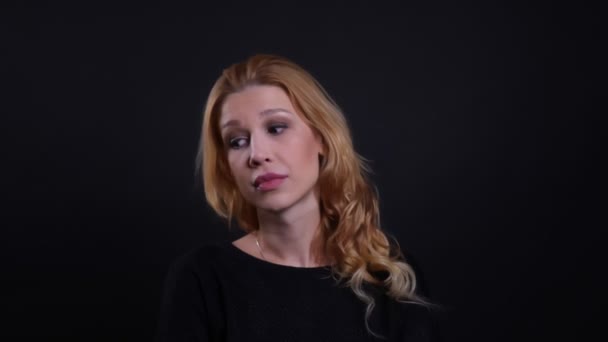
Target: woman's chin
<point>271,207</point>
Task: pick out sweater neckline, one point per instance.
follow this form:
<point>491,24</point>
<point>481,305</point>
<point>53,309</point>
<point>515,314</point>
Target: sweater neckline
<point>244,255</point>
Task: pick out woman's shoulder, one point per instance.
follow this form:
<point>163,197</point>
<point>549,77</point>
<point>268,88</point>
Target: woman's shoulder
<point>416,321</point>
<point>201,257</point>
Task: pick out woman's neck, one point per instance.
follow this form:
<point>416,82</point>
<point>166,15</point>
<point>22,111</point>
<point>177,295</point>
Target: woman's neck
<point>292,237</point>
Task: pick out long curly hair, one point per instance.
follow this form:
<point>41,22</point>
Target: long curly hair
<point>350,221</point>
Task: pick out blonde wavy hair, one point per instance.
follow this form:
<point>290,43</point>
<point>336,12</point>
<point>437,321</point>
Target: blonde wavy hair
<point>350,222</point>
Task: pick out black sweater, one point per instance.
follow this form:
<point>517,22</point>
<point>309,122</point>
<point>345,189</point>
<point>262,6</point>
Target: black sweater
<point>220,293</point>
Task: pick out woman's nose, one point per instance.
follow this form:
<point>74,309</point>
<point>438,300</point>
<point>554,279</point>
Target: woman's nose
<point>258,152</point>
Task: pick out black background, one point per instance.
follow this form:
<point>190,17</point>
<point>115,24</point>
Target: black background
<point>477,119</point>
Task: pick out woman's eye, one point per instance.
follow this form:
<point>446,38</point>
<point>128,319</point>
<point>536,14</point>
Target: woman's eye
<point>236,143</point>
<point>239,142</point>
<point>276,129</point>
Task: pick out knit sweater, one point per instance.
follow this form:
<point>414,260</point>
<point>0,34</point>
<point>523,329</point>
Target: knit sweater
<point>218,292</point>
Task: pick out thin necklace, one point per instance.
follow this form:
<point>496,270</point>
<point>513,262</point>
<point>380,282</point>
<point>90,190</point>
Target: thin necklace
<point>259,247</point>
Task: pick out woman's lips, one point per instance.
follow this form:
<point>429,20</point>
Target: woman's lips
<point>270,185</point>
<point>266,178</point>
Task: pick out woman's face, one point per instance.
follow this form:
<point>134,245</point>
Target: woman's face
<point>265,137</point>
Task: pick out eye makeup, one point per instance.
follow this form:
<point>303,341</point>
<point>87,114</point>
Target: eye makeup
<point>234,137</point>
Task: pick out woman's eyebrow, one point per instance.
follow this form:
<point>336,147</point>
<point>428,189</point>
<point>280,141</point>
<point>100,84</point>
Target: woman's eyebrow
<point>265,112</point>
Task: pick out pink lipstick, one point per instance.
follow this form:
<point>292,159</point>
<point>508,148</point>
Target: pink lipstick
<point>268,181</point>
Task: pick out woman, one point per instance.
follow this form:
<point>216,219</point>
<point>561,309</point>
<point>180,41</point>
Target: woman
<point>314,265</point>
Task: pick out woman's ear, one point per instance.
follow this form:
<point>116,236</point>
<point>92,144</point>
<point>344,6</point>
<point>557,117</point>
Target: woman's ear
<point>322,152</point>
<point>320,143</point>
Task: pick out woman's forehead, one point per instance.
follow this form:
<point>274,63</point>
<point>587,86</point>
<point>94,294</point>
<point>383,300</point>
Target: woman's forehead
<point>255,101</point>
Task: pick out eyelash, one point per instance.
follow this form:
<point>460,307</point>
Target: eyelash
<point>232,140</point>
